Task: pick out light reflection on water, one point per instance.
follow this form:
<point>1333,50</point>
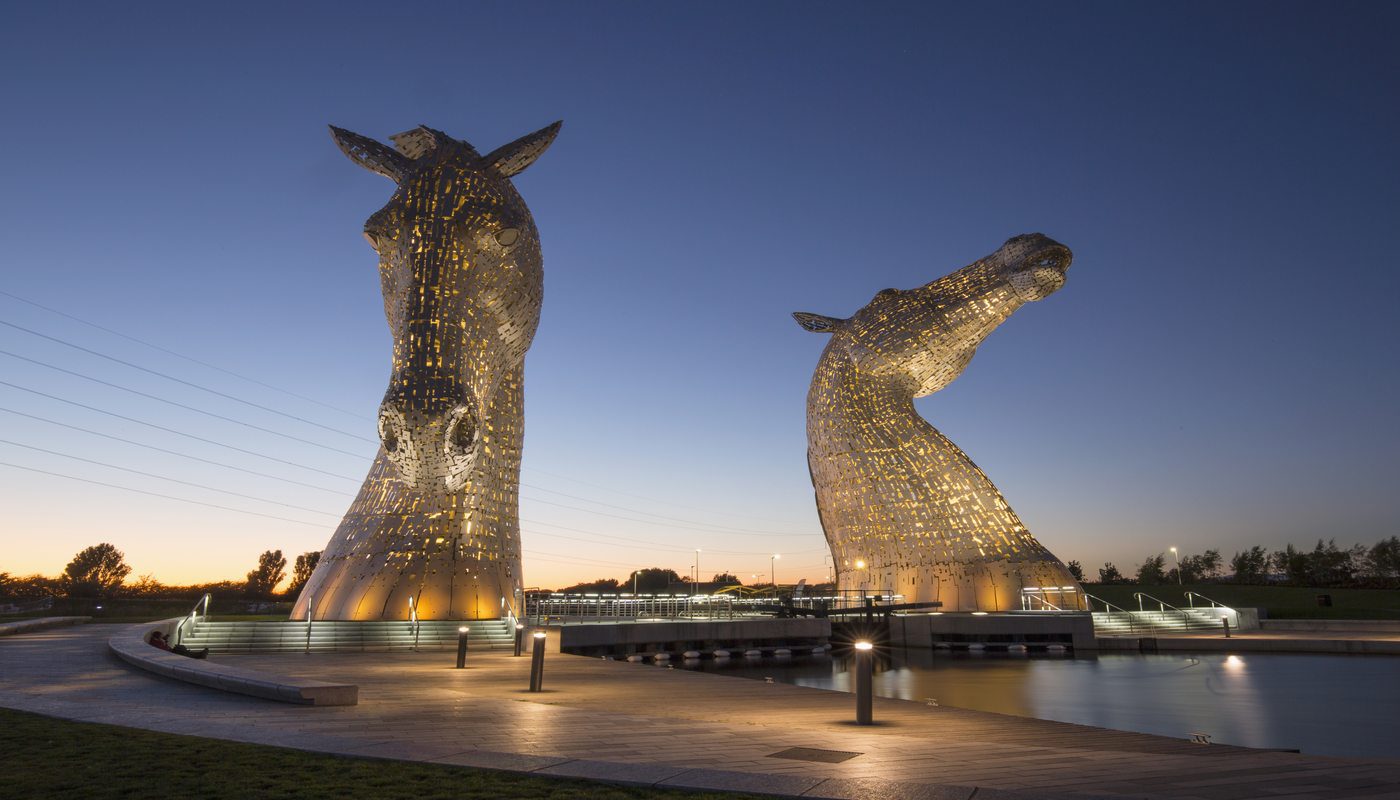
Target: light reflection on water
<point>1322,704</point>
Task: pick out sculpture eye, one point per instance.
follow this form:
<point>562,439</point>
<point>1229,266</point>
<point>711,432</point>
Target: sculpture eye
<point>372,239</point>
<point>507,236</point>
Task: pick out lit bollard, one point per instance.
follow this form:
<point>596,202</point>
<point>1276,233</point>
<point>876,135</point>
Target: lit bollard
<point>864,667</point>
<point>462,646</point>
<point>519,638</point>
<point>1226,622</point>
<point>537,663</point>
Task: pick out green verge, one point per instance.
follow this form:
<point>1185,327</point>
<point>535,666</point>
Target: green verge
<point>53,758</point>
<point>1281,602</point>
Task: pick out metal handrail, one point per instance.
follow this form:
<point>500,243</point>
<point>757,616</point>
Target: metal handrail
<point>1213,604</point>
<point>1109,609</point>
<point>1163,605</point>
<point>1038,599</point>
<point>192,618</point>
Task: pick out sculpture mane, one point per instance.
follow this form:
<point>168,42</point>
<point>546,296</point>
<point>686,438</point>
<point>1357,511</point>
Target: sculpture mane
<point>902,507</point>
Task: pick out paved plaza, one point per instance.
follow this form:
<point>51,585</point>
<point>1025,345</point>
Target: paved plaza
<point>656,726</point>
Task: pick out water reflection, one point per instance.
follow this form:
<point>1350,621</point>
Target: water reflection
<point>1323,704</point>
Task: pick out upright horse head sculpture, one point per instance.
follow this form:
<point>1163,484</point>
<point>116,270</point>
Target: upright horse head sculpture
<point>435,526</point>
<point>902,507</point>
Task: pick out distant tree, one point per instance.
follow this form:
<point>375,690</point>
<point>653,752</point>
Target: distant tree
<point>145,586</point>
<point>600,586</point>
<point>1292,563</point>
<point>5,582</point>
<point>656,579</point>
<point>1250,566</point>
<point>301,571</point>
<point>271,569</point>
<point>1383,559</point>
<point>1153,571</point>
<point>95,571</point>
<point>1109,573</point>
<point>725,579</point>
<point>1195,569</point>
<point>1076,570</point>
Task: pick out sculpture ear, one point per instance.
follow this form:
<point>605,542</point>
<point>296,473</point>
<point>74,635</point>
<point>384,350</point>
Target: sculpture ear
<point>816,323</point>
<point>370,154</point>
<point>512,159</point>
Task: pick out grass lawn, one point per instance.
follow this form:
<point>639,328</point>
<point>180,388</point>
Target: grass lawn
<point>52,758</point>
<point>1282,602</point>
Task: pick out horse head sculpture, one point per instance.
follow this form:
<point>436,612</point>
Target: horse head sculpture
<point>434,532</point>
<point>903,508</point>
<point>459,263</point>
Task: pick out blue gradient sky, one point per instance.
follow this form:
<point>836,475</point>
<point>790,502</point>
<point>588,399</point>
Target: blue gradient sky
<point>1218,372</point>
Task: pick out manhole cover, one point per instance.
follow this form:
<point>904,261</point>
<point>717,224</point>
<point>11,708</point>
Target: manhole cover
<point>815,754</point>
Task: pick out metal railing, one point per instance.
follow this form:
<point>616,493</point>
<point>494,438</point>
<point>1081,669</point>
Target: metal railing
<point>1192,596</point>
<point>608,607</point>
<point>1110,609</point>
<point>188,623</point>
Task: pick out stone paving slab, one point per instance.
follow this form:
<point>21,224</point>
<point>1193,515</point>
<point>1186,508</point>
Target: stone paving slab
<point>679,727</point>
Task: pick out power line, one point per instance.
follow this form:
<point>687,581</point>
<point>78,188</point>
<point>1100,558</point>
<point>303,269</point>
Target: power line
<point>649,522</point>
<point>191,359</point>
<point>659,516</point>
<point>167,401</point>
<point>163,477</point>
<point>294,417</point>
<point>172,430</point>
<point>135,443</point>
<point>158,494</point>
<point>181,381</point>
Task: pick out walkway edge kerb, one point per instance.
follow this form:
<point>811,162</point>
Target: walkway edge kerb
<point>130,645</point>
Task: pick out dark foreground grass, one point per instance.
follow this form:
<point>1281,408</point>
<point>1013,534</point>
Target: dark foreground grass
<point>42,757</point>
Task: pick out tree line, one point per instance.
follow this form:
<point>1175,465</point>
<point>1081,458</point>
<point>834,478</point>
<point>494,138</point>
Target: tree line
<point>101,571</point>
<point>1325,565</point>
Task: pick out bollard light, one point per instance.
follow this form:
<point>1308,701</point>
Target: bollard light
<point>1226,622</point>
<point>537,663</point>
<point>462,646</point>
<point>519,638</point>
<point>864,690</point>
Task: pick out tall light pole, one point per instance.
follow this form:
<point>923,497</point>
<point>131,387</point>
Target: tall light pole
<point>694,587</point>
<point>773,570</point>
<point>1178,566</point>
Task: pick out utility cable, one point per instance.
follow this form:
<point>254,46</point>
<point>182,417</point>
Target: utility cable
<point>181,381</point>
<point>172,430</point>
<point>135,443</point>
<point>158,494</point>
<point>660,516</point>
<point>164,477</point>
<point>167,401</point>
<point>191,359</point>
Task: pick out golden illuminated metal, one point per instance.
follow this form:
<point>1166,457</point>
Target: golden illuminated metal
<point>434,532</point>
<point>902,507</point>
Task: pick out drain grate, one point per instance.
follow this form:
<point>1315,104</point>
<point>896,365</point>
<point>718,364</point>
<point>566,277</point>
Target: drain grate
<point>815,754</point>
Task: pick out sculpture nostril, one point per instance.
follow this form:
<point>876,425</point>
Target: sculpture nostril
<point>388,430</point>
<point>461,430</point>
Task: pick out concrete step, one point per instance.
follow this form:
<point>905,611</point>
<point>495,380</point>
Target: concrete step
<point>271,637</point>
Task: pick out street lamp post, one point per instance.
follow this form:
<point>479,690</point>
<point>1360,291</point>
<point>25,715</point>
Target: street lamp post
<point>1178,566</point>
<point>694,587</point>
<point>773,570</point>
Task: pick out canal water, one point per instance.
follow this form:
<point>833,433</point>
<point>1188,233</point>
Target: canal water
<point>1320,704</point>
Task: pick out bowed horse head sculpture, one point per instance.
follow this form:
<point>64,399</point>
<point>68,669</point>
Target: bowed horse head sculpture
<point>459,263</point>
<point>903,508</point>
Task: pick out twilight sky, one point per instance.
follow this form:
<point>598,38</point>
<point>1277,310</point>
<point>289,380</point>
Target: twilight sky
<point>1219,371</point>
